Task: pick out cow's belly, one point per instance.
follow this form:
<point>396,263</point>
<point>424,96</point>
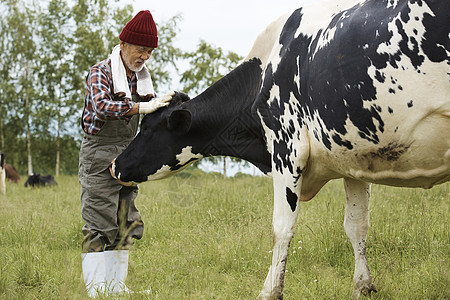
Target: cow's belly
<point>418,156</point>
<point>420,160</point>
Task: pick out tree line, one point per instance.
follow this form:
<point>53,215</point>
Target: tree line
<point>47,49</point>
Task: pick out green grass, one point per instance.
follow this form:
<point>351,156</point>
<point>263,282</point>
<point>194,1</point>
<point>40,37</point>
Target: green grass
<point>210,238</point>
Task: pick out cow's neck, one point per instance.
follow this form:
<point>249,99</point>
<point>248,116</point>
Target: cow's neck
<point>224,112</point>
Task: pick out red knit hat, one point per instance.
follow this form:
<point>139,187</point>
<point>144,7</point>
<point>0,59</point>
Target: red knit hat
<point>141,30</point>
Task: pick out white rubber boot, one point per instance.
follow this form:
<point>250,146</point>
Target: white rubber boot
<point>93,264</point>
<point>116,263</point>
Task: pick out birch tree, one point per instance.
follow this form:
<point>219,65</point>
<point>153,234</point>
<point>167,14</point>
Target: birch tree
<point>22,61</point>
<point>54,49</point>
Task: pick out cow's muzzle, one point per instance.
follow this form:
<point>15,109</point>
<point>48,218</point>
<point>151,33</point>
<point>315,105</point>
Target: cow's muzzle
<point>112,171</point>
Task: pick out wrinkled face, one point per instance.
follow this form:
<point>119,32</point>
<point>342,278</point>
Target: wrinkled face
<point>135,56</point>
<point>161,148</point>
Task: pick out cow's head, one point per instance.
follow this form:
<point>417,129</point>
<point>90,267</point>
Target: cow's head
<point>160,149</point>
<point>219,121</point>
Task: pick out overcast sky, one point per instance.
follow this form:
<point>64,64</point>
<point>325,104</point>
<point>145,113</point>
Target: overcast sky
<point>232,25</point>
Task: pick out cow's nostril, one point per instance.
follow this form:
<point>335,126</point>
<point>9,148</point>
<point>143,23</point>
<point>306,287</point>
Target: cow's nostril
<point>112,171</point>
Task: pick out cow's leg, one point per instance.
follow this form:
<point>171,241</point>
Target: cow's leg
<point>356,224</point>
<point>285,212</point>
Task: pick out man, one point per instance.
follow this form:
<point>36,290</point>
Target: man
<point>118,89</point>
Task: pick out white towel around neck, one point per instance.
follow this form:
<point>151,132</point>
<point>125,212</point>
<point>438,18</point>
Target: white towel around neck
<point>119,75</point>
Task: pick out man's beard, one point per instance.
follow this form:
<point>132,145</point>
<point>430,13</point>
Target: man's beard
<point>132,66</point>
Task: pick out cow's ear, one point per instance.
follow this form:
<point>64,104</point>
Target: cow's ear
<point>179,121</point>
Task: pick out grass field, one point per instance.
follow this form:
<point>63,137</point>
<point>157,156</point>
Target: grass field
<point>210,238</point>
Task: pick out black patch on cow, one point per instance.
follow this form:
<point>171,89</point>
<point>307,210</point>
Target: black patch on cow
<point>333,79</point>
<point>410,104</point>
<point>280,156</point>
<point>380,76</point>
<point>338,140</point>
<point>292,199</point>
<point>391,152</point>
<point>436,43</point>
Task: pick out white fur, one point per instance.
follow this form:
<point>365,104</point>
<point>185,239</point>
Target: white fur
<point>186,155</point>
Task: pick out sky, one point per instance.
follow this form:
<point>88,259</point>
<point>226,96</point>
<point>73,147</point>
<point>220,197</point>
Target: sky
<point>232,25</point>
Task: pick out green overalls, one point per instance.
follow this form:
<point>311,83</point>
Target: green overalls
<point>107,207</point>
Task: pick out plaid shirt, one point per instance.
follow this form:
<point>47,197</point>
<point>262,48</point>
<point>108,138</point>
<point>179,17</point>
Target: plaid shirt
<point>100,104</point>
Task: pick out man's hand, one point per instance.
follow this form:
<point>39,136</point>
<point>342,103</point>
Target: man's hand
<point>155,104</point>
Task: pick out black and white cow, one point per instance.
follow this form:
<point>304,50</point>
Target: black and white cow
<point>341,89</point>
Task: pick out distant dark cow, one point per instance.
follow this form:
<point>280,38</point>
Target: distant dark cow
<point>36,180</point>
<point>345,89</point>
<point>11,173</point>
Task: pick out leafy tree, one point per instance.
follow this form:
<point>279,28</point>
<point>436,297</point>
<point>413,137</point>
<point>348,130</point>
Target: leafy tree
<point>208,64</point>
<point>97,31</point>
<point>55,38</point>
<point>21,60</point>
